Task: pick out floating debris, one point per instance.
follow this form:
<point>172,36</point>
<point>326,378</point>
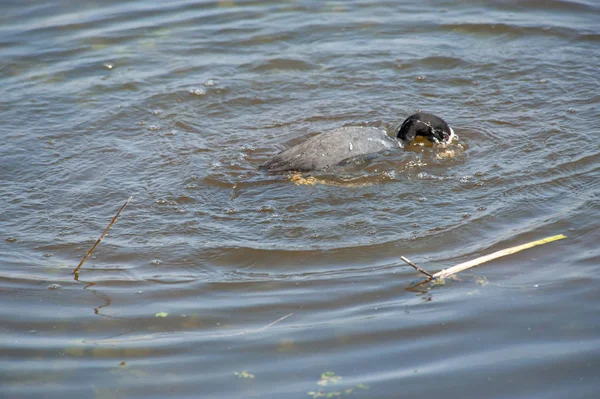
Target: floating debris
<point>330,378</point>
<point>244,374</point>
<point>438,278</point>
<point>198,92</point>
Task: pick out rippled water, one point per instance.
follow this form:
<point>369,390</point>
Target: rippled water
<point>220,281</point>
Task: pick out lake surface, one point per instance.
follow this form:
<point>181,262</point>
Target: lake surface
<point>221,281</point>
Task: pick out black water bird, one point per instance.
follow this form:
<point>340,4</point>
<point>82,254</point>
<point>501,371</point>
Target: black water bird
<point>340,146</point>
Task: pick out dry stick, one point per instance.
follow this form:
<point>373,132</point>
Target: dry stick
<point>153,336</point>
<point>467,265</point>
<point>113,341</point>
<point>416,267</point>
<point>76,271</point>
<point>274,322</point>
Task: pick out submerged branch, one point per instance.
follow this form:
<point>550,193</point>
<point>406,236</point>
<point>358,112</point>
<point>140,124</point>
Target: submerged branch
<point>87,255</point>
<point>498,254</point>
<point>482,259</point>
<point>416,267</point>
<point>274,322</point>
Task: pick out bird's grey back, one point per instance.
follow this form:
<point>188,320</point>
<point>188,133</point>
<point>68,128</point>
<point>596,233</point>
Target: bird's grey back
<point>331,148</point>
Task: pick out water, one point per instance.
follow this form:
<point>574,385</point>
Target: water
<point>177,103</point>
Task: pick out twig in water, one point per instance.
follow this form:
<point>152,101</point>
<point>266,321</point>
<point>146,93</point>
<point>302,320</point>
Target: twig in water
<point>482,259</point>
<point>114,219</point>
<point>498,254</point>
<point>417,267</point>
<point>162,336</point>
<point>274,322</point>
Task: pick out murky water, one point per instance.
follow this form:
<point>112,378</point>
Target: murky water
<point>221,281</point>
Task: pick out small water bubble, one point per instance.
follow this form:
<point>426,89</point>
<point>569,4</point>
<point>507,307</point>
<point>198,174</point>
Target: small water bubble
<point>543,81</point>
<point>415,225</point>
<point>267,209</point>
<point>47,255</point>
<point>420,78</point>
<point>210,83</point>
<point>481,208</point>
<point>139,292</point>
<point>153,127</point>
<point>155,262</point>
<point>413,238</point>
<point>198,92</point>
<point>465,179</point>
<point>54,287</point>
<point>192,186</point>
<point>315,235</point>
<point>230,211</point>
<point>390,174</point>
<point>157,112</point>
<point>427,176</point>
<point>421,199</point>
<point>162,201</point>
<point>11,239</point>
<point>572,111</point>
<point>466,215</point>
<point>171,132</point>
<point>475,83</point>
<point>108,66</point>
<point>141,123</point>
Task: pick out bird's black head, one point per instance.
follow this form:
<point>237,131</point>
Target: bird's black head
<point>427,125</point>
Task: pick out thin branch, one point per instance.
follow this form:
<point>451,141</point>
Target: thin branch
<point>417,267</point>
<point>274,322</point>
<point>114,219</point>
<point>509,251</point>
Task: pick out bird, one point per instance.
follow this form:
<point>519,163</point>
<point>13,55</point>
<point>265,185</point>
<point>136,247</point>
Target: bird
<point>340,146</point>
